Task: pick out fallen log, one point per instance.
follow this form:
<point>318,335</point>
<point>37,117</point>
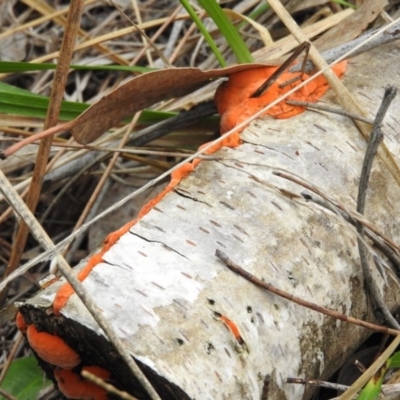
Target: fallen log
<point>199,331</point>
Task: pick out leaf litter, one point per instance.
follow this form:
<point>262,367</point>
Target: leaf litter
<point>119,43</point>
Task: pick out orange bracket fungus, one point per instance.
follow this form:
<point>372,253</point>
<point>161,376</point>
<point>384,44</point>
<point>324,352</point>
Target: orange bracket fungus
<point>52,349</point>
<point>98,371</point>
<point>20,322</point>
<point>73,386</point>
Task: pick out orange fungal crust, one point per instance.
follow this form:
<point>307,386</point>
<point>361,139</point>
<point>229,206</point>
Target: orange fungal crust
<point>235,105</point>
<point>73,386</point>
<point>65,292</point>
<point>52,349</point>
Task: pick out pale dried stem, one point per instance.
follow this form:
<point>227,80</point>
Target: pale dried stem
<point>160,30</point>
<point>17,342</point>
<point>369,373</point>
<point>110,388</point>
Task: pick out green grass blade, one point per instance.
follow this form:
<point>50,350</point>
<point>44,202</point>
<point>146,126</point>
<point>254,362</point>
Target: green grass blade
<point>261,9</point>
<point>18,101</point>
<point>345,3</point>
<point>10,67</point>
<point>394,360</point>
<point>227,29</point>
<point>204,32</point>
<point>22,102</point>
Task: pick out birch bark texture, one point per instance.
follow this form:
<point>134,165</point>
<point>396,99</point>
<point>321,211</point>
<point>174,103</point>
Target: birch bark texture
<point>161,285</point>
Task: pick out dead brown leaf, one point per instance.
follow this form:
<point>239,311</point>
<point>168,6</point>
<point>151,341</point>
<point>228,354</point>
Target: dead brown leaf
<point>142,92</point>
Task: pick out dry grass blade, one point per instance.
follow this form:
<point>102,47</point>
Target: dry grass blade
<point>110,388</point>
<point>46,9</point>
<point>87,44</point>
<point>282,46</point>
<point>369,373</point>
<point>352,26</point>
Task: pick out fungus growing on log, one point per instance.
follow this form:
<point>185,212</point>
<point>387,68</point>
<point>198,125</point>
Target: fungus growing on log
<point>98,371</point>
<point>20,322</point>
<point>52,349</point>
<point>73,386</point>
<point>235,103</point>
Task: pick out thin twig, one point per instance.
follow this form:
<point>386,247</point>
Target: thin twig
<point>268,286</point>
<point>314,382</point>
<point>372,286</point>
<point>110,388</point>
<point>356,216</point>
<point>369,373</point>
<point>142,32</point>
<point>41,236</point>
<point>386,249</point>
<point>372,148</point>
<point>7,395</point>
<point>11,356</point>
<point>318,106</point>
<point>272,79</point>
<point>35,137</point>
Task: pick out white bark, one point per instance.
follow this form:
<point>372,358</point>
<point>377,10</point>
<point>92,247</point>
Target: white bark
<point>160,282</point>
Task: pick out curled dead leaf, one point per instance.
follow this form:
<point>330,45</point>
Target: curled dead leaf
<point>141,92</point>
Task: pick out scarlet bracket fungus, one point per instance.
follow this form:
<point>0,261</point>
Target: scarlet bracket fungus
<point>20,322</point>
<point>73,386</point>
<point>52,349</point>
<point>98,371</point>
